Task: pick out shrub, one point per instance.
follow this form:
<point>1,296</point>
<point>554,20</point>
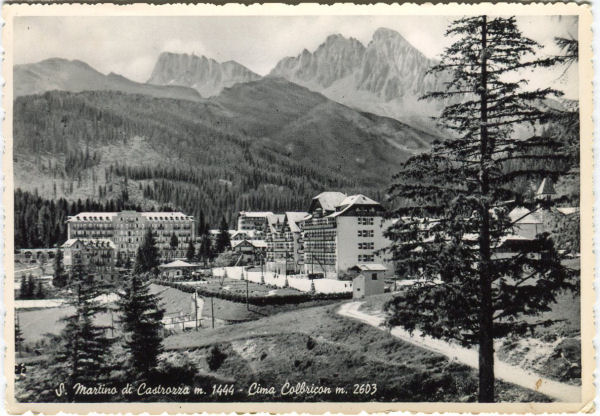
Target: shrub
<point>215,358</point>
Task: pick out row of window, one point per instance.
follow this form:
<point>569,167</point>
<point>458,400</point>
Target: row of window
<point>365,220</point>
<point>319,259</point>
<point>366,246</point>
<point>319,235</point>
<point>311,246</point>
<point>365,233</point>
<point>366,258</point>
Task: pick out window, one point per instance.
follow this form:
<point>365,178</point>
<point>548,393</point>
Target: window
<point>365,220</point>
<point>374,276</point>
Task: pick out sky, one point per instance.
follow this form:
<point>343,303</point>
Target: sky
<point>130,46</point>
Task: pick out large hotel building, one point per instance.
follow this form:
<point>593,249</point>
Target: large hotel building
<point>343,231</point>
<point>126,230</point>
<point>337,233</point>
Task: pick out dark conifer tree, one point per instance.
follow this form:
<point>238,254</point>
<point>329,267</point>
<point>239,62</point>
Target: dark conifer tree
<point>141,320</point>
<point>205,251</point>
<point>60,276</point>
<point>173,243</point>
<point>23,288</point>
<point>18,337</point>
<point>82,348</point>
<point>191,251</point>
<point>39,294</point>
<point>451,201</point>
<point>147,258</point>
<point>223,242</point>
<point>30,292</point>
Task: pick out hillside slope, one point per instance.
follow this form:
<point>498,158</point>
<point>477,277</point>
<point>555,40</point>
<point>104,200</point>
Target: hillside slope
<point>267,144</point>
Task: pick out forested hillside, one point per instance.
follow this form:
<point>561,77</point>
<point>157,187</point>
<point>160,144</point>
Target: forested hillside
<point>264,145</point>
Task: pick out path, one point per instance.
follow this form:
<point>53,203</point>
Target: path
<point>512,374</point>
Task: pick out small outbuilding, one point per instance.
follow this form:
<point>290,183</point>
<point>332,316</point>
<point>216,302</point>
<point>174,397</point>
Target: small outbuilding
<point>176,269</point>
<point>369,279</point>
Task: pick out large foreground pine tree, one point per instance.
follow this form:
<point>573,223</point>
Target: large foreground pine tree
<point>141,320</point>
<point>82,350</point>
<point>453,202</point>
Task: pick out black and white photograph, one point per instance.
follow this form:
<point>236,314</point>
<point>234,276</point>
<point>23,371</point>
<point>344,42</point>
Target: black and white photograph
<point>304,208</point>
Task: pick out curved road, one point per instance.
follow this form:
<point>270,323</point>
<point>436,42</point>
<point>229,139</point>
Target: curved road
<point>512,374</point>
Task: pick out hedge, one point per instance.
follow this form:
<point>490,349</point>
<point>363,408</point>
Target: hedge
<point>257,300</point>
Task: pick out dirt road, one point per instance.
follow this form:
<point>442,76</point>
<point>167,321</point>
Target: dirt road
<point>556,390</point>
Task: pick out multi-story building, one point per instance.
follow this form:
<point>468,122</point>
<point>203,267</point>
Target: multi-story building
<point>98,253</point>
<point>340,233</point>
<point>284,242</point>
<point>254,221</point>
<point>126,230</point>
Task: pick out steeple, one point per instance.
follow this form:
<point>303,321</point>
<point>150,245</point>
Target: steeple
<point>546,190</point>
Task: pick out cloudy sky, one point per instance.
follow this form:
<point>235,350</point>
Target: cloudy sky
<point>130,45</point>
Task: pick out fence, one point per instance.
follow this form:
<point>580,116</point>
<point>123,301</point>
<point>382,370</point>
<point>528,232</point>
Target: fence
<point>284,299</point>
<point>279,280</point>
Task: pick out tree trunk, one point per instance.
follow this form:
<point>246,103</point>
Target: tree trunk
<point>486,345</point>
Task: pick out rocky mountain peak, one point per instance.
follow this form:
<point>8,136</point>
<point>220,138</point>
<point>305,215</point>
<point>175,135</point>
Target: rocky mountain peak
<point>204,74</point>
<point>386,77</point>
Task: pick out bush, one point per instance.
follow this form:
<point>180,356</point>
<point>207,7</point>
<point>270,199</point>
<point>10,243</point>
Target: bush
<point>215,358</point>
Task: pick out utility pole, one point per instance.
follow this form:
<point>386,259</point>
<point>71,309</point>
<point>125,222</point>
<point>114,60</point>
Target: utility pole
<point>262,272</point>
<point>212,311</point>
<point>196,308</point>
<point>247,294</point>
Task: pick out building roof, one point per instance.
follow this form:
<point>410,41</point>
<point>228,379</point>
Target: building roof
<point>327,200</point>
<point>370,267</point>
<point>521,215</point>
<point>259,243</point>
<point>293,218</point>
<point>176,264</point>
<point>256,214</point>
<point>253,243</point>
<point>546,188</point>
<point>108,216</point>
<point>217,231</point>
<point>93,216</point>
<point>90,242</point>
<point>567,210</point>
<point>353,200</point>
<point>273,220</point>
<point>165,216</point>
<point>357,199</point>
<point>242,234</point>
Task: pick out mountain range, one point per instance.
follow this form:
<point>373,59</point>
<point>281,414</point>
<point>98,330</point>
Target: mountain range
<point>386,77</point>
<point>75,76</point>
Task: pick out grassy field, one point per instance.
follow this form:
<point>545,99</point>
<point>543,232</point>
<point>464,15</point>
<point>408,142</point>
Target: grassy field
<point>175,301</point>
<point>239,287</point>
<point>316,346</point>
<point>36,323</point>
